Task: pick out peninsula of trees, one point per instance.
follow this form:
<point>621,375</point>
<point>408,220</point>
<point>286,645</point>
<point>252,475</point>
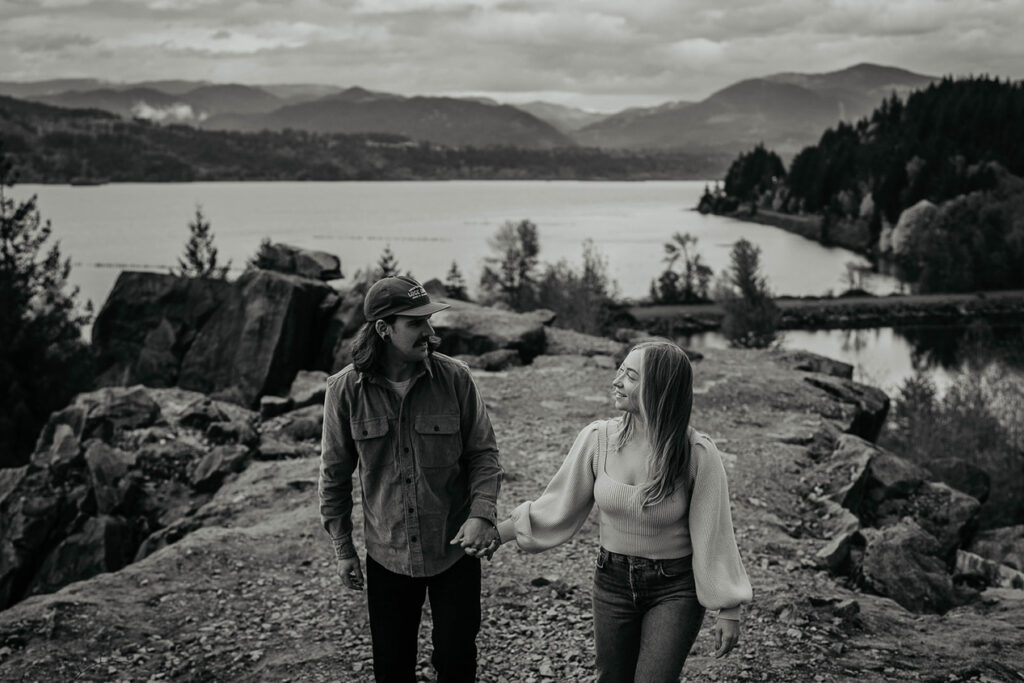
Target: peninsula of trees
<point>930,185</point>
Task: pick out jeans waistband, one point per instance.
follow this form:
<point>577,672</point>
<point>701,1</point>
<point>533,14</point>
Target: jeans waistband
<point>634,561</point>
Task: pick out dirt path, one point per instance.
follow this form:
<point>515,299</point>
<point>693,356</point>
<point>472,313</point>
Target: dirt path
<point>254,596</point>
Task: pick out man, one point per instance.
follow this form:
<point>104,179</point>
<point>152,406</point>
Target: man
<point>416,426</point>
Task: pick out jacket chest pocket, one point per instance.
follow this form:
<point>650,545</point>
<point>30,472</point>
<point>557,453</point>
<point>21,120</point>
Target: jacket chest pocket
<point>440,441</point>
<point>371,441</point>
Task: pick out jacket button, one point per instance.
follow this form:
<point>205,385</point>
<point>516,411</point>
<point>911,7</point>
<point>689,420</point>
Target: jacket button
<point>436,428</point>
<point>413,539</point>
<point>365,432</point>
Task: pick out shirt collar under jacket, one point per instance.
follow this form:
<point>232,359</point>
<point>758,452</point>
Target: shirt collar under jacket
<point>426,367</point>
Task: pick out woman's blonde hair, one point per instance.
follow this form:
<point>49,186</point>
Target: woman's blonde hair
<point>666,401</point>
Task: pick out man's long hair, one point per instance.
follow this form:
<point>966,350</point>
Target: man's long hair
<point>369,349</point>
<point>666,402</point>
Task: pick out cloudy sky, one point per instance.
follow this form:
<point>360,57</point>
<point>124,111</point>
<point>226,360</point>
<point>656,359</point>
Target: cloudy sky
<point>598,54</point>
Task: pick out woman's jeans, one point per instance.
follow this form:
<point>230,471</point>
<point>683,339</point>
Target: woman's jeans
<point>646,617</point>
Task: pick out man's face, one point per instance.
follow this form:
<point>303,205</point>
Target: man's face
<point>409,338</point>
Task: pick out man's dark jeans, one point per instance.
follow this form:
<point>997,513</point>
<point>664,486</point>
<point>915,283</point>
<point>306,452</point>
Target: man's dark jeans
<point>646,617</point>
<point>396,602</point>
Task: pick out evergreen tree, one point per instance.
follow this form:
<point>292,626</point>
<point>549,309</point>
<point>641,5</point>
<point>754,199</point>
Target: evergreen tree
<point>510,275</point>
<point>751,316</point>
<point>43,360</point>
<point>753,173</point>
<point>387,264</point>
<point>455,285</point>
<point>200,257</point>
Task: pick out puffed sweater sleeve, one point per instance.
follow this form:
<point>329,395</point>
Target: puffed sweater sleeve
<point>722,582</point>
<point>562,509</point>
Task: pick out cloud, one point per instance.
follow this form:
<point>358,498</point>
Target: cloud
<point>174,113</point>
<point>585,51</point>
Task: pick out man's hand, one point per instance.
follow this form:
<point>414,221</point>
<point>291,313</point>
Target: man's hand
<point>727,634</point>
<point>478,537</point>
<point>351,573</point>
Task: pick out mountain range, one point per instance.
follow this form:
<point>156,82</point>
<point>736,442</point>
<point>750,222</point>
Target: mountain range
<point>785,111</point>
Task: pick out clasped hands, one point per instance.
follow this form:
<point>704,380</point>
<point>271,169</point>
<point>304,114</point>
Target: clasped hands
<point>478,537</point>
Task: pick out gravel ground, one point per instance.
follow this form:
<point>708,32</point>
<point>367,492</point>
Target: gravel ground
<point>253,596</point>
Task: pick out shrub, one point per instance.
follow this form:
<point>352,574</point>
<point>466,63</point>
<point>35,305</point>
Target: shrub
<point>979,420</point>
<point>581,299</point>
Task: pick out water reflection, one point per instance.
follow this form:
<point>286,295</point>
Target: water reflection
<point>886,356</point>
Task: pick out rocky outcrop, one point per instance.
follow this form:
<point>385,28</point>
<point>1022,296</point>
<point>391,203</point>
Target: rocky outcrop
<point>118,465</point>
<point>888,527</point>
<point>148,322</point>
<point>259,338</point>
<point>236,340</point>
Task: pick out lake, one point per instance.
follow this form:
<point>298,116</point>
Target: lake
<point>427,224</point>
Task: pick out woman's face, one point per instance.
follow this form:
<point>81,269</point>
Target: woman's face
<point>626,385</point>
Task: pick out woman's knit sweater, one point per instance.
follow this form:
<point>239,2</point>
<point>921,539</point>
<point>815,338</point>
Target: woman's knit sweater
<point>675,527</point>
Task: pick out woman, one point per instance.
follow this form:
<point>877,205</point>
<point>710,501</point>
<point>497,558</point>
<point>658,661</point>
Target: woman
<point>667,546</point>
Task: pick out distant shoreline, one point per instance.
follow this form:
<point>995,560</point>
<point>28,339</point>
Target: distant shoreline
<point>847,313</point>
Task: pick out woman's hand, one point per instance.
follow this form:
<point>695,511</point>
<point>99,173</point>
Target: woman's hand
<point>727,634</point>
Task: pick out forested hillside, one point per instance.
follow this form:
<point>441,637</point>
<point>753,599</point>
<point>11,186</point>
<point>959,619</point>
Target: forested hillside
<point>953,151</point>
<point>54,145</point>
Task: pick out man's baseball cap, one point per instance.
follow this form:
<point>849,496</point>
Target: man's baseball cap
<point>398,296</point>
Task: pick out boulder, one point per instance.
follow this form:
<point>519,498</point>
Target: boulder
<point>962,475</point>
<point>274,449</point>
<point>217,464</point>
<point>106,468</point>
<point>105,414</point>
<point>234,431</point>
<point>104,544</point>
<point>837,520</point>
<point>308,388</point>
<point>901,562</point>
<point>844,475</point>
<point>343,322</point>
<point>870,405</point>
<point>167,461</point>
<point>948,515</point>
<point>559,341</point>
<point>812,362</point>
<point>306,263</point>
<point>147,322</point>
<point>835,555</point>
<point>63,454</point>
<point>890,476</point>
<point>468,328</point>
<point>493,361</point>
<point>267,329</point>
<point>1004,545</point>
<point>305,424</point>
<point>982,573</point>
<point>200,413</point>
<point>272,406</point>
